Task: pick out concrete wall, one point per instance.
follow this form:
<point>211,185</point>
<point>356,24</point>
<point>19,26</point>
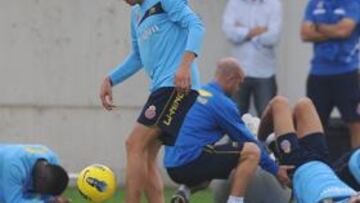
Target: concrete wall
<point>54,54</point>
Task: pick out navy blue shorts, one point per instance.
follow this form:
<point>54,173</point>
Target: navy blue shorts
<point>341,91</point>
<point>341,167</point>
<point>215,162</point>
<point>166,109</point>
<point>296,152</point>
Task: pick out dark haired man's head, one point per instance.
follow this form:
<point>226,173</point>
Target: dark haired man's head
<point>49,179</point>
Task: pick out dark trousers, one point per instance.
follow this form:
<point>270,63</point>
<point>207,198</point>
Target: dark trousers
<point>262,90</point>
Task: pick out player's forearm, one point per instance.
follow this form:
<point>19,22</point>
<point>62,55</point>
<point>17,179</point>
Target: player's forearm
<point>266,162</point>
<point>342,29</point>
<point>333,31</point>
<point>309,33</point>
<point>313,36</point>
<point>188,58</point>
<point>123,71</point>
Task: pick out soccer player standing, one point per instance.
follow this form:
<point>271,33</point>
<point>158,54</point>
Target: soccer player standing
<point>334,29</point>
<point>166,39</point>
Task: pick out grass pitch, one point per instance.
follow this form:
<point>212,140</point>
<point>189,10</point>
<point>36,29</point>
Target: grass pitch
<point>204,196</point>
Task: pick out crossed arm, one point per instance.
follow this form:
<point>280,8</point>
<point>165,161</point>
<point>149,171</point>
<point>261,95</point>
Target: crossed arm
<point>311,32</point>
<point>237,33</point>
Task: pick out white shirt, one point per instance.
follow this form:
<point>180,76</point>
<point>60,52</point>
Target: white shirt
<point>256,56</point>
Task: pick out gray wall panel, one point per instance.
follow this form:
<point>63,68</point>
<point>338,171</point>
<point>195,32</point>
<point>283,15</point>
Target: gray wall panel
<point>54,54</point>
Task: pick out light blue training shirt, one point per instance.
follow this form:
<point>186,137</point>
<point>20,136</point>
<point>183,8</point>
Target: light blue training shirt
<point>160,40</point>
<point>16,166</point>
<point>315,181</point>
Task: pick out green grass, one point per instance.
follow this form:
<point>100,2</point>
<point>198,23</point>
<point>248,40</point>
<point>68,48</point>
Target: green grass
<point>204,196</point>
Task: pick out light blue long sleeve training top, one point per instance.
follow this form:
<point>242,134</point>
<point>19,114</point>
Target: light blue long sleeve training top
<point>315,181</point>
<point>16,165</point>
<point>161,31</point>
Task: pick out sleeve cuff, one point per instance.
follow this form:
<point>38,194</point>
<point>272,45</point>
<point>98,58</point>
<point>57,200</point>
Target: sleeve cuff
<point>111,82</point>
<point>195,52</point>
<point>243,32</point>
<point>112,79</point>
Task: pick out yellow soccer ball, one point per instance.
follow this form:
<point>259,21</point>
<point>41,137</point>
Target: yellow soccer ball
<point>97,183</point>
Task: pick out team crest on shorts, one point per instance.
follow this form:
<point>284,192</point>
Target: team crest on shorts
<point>285,145</point>
<point>150,112</point>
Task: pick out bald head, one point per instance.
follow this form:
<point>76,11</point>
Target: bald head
<point>228,67</point>
<point>229,75</point>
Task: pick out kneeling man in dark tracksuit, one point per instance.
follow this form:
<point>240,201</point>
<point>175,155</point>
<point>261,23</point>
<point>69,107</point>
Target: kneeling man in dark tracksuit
<point>195,161</point>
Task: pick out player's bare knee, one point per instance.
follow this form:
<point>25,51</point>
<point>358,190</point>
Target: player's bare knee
<point>305,102</point>
<point>303,105</point>
<point>250,151</point>
<point>133,145</point>
<point>279,102</point>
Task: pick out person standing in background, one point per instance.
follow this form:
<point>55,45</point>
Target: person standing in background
<point>333,28</point>
<point>253,27</point>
